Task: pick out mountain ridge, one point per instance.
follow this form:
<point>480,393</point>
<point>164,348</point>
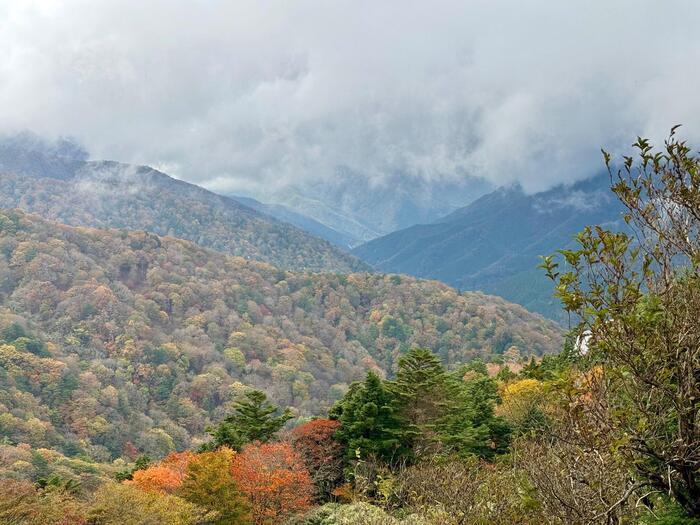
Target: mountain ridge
<point>494,243</point>
<point>363,208</point>
<point>68,188</point>
<point>304,222</point>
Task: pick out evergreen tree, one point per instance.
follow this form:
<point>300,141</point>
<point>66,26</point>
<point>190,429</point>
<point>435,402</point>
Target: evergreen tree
<point>449,412</point>
<point>370,424</point>
<point>253,419</point>
<point>425,395</point>
<point>225,434</point>
<point>472,427</point>
<point>421,384</point>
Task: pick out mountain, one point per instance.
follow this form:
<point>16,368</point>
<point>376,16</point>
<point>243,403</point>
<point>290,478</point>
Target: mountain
<point>494,244</point>
<point>299,220</point>
<point>56,181</point>
<point>364,209</point>
<point>115,340</point>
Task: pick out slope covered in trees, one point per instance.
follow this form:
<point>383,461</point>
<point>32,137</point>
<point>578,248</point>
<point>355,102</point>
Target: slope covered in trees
<point>602,433</point>
<point>58,183</point>
<point>494,244</point>
<point>118,342</point>
<point>282,213</point>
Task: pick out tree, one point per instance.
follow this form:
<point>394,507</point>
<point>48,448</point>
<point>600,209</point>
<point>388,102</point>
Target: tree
<point>321,452</point>
<point>471,427</point>
<point>142,462</point>
<point>22,502</point>
<point>637,296</point>
<point>225,434</point>
<point>421,387</point>
<point>121,504</point>
<point>521,405</point>
<point>165,476</point>
<point>425,396</point>
<point>466,491</point>
<point>209,484</point>
<point>572,462</point>
<point>12,332</point>
<point>448,412</point>
<point>370,424</point>
<point>275,480</point>
<point>254,419</point>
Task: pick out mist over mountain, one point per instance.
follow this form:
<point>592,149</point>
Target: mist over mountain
<point>54,180</point>
<point>306,223</point>
<point>494,244</point>
<point>364,209</point>
<point>503,90</point>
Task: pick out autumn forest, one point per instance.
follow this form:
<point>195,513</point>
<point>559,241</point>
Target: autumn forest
<point>146,379</point>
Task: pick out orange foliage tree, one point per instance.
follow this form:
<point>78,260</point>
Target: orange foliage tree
<point>165,476</point>
<point>321,452</point>
<point>205,480</point>
<point>274,478</point>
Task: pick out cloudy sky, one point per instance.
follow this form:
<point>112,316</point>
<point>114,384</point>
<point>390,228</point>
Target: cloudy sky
<point>242,93</point>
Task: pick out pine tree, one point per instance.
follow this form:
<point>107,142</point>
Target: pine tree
<point>370,424</point>
<point>253,419</point>
<point>425,396</point>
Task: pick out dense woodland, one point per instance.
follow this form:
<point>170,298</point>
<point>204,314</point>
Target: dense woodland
<point>56,182</point>
<point>443,416</point>
<point>116,339</point>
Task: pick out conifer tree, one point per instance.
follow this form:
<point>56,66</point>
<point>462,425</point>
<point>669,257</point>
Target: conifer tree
<point>370,424</point>
<point>421,384</point>
<point>425,396</point>
<point>253,419</point>
<point>472,428</point>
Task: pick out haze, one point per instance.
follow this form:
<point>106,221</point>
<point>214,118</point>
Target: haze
<point>242,95</point>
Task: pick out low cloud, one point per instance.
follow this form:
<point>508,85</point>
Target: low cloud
<point>247,94</point>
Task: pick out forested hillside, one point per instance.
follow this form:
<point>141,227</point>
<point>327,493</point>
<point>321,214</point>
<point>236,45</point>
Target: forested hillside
<point>56,182</point>
<point>117,339</point>
<point>494,244</point>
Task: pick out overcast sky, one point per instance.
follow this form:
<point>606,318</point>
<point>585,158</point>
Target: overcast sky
<point>232,94</point>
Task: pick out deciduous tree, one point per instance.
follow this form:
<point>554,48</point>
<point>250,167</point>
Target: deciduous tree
<point>275,480</point>
<point>208,483</point>
<point>322,453</point>
<point>165,476</point>
<point>637,295</point>
<point>122,504</point>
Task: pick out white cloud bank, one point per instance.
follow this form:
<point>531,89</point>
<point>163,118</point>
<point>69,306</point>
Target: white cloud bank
<point>235,93</point>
